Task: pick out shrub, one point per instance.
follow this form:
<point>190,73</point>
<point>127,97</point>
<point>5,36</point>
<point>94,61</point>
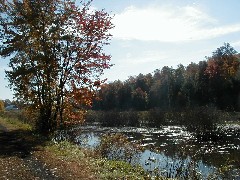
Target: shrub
<point>94,116</point>
<point>115,118</point>
<point>117,147</point>
<point>201,119</point>
<point>111,118</point>
<point>156,118</point>
<point>129,118</point>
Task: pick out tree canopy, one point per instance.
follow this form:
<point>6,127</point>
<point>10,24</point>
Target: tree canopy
<point>214,81</point>
<point>56,56</point>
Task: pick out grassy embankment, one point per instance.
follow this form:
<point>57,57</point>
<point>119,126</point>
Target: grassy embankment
<point>64,159</point>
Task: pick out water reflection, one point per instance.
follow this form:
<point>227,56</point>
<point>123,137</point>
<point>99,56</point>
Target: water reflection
<point>171,148</point>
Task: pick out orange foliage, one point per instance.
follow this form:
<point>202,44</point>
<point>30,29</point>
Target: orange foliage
<point>57,55</point>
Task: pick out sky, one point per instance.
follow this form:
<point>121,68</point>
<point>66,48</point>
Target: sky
<point>150,34</point>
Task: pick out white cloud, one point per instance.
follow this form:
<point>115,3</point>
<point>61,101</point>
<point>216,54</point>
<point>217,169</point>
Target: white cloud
<point>144,57</point>
<point>236,44</point>
<point>168,24</point>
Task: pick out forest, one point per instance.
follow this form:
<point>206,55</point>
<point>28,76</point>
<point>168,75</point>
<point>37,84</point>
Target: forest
<point>199,96</point>
<point>55,53</point>
<point>212,82</point>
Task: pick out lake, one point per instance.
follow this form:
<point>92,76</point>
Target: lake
<point>172,147</point>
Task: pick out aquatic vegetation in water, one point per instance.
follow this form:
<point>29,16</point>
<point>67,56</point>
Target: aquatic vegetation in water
<point>169,151</point>
<point>118,147</point>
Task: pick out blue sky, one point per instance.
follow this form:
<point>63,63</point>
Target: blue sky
<point>150,34</point>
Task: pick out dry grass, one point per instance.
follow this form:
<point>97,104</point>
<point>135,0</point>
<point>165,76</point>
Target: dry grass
<point>64,161</point>
<point>66,169</point>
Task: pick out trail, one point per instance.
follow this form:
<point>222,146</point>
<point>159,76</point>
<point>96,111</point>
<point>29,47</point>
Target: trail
<point>16,159</point>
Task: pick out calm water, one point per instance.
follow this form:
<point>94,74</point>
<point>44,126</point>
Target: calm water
<point>171,147</point>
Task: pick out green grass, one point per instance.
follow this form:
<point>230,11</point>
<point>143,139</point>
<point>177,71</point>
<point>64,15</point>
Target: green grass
<point>110,169</point>
<point>13,123</point>
<point>66,150</point>
<point>103,168</point>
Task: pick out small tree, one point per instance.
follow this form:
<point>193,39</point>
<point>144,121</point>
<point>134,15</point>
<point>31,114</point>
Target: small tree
<point>56,56</point>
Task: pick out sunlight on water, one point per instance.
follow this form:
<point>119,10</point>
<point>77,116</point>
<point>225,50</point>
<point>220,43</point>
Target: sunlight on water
<point>170,147</point>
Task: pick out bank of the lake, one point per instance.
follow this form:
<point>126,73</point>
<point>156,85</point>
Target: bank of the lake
<point>172,151</point>
<point>155,153</point>
<point>27,155</point>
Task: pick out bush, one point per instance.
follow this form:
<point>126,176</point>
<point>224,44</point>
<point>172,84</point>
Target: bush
<point>156,118</point>
<point>94,116</point>
<point>201,119</point>
<point>115,118</point>
<point>198,119</point>
<point>117,147</point>
<point>111,118</point>
<point>129,118</point>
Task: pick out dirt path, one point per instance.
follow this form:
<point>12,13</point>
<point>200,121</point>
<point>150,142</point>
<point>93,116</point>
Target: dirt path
<point>3,128</point>
<point>16,159</point>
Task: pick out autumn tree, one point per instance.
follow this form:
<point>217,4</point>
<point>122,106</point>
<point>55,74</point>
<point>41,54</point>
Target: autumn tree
<point>190,83</point>
<point>139,99</point>
<point>179,99</point>
<point>56,56</point>
<point>108,96</point>
<point>222,69</point>
<point>125,95</point>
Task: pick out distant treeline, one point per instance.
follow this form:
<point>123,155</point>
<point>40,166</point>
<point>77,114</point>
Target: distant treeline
<point>214,81</point>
